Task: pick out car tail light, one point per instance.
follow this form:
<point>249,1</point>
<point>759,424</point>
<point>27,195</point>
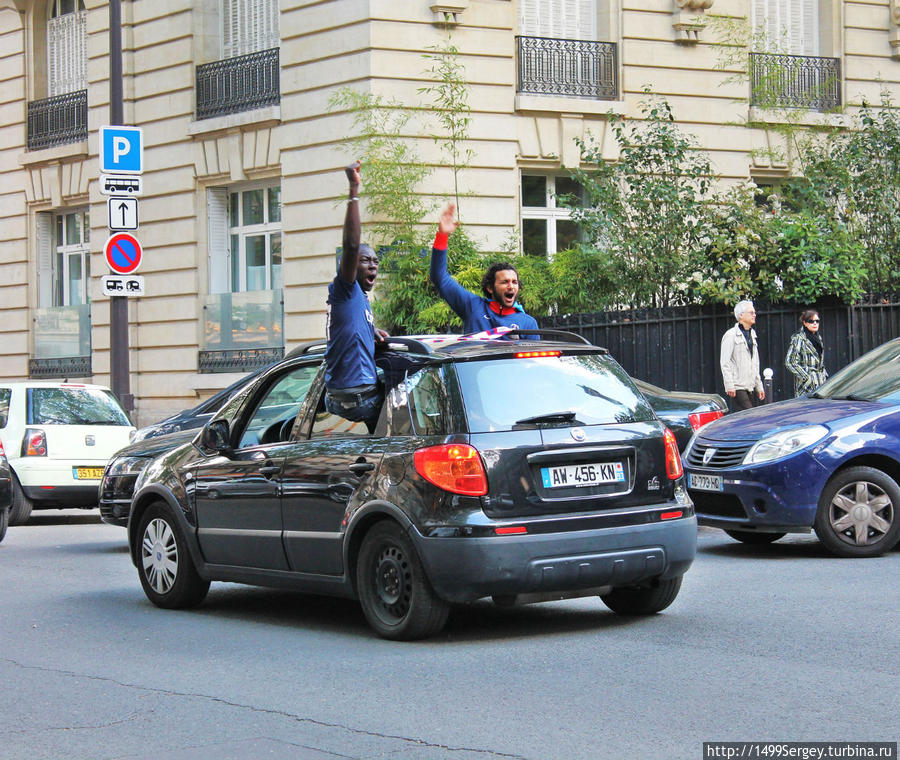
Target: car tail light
<point>455,467</point>
<point>34,443</point>
<point>699,419</point>
<point>2,452</point>
<point>536,354</point>
<point>673,457</point>
<point>671,515</point>
<point>511,530</point>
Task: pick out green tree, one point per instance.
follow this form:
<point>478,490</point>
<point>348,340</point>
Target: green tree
<point>392,170</point>
<point>853,177</point>
<point>450,98</point>
<point>646,210</point>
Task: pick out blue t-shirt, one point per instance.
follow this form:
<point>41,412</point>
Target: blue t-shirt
<point>475,311</point>
<point>350,332</point>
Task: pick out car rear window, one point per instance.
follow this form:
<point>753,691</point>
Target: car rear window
<point>5,394</point>
<point>500,394</point>
<point>73,406</point>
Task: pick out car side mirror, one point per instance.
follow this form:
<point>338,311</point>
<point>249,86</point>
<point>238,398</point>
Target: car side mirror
<point>215,437</point>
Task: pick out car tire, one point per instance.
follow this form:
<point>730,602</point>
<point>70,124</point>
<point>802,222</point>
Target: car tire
<point>21,505</point>
<point>165,567</point>
<point>753,537</point>
<point>858,513</point>
<point>4,521</point>
<point>643,600</point>
<point>394,592</point>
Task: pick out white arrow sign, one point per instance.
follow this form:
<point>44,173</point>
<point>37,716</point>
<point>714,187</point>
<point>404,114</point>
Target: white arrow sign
<point>122,212</point>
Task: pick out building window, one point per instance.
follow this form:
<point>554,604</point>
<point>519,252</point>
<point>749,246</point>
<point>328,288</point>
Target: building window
<point>547,226</point>
<point>254,229</point>
<point>249,26</point>
<point>66,47</point>
<point>64,263</point>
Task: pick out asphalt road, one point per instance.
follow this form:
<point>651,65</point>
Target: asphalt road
<point>775,643</point>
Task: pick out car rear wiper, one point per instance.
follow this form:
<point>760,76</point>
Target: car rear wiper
<point>550,418</point>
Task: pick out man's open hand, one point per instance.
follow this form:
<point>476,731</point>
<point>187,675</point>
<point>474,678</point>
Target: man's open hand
<point>446,224</point>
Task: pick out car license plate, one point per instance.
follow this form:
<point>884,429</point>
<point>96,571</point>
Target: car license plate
<point>87,473</point>
<point>701,482</point>
<point>583,475</point>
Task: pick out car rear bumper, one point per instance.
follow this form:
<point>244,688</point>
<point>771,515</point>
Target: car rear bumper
<point>62,496</point>
<point>463,569</point>
<point>40,471</point>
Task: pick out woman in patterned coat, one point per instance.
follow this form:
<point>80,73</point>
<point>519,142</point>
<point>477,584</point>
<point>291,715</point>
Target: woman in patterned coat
<point>806,355</point>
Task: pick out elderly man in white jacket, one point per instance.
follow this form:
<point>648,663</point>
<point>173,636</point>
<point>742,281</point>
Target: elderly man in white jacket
<point>739,359</point>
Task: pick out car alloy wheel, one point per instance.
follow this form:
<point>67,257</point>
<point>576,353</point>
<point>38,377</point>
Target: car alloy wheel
<point>857,515</point>
<point>394,592</point>
<point>167,573</point>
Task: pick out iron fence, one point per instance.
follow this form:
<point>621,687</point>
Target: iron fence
<point>238,84</point>
<point>678,347</point>
<point>58,120</point>
<point>577,68</point>
<point>795,81</point>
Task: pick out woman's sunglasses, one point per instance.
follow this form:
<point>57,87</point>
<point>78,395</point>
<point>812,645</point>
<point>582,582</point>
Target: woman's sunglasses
<point>812,321</point>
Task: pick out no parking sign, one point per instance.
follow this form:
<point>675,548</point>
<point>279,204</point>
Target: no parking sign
<point>123,253</point>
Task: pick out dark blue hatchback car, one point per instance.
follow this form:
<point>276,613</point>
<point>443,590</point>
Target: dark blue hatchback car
<point>829,461</point>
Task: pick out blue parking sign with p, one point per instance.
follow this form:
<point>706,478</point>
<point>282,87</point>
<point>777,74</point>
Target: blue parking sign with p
<point>121,150</point>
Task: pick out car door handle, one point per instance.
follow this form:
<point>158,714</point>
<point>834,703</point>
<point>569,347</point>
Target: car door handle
<point>269,469</point>
<point>360,468</point>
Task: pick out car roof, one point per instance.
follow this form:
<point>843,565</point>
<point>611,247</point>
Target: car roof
<point>51,384</point>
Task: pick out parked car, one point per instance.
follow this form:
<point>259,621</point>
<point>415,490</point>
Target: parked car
<point>120,474</point>
<point>5,493</point>
<point>58,438</point>
<point>524,471</point>
<point>683,412</point>
<point>197,416</point>
<point>829,462</point>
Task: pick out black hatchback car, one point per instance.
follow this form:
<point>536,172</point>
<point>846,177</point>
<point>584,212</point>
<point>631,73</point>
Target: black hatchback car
<point>519,470</point>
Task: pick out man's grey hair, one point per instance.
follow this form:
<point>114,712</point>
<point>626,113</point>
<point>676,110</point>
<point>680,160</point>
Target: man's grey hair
<point>741,307</point>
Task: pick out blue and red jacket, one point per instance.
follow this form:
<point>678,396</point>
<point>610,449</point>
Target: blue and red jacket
<point>477,313</point>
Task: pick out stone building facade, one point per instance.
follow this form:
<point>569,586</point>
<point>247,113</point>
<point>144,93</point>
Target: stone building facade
<point>240,213</point>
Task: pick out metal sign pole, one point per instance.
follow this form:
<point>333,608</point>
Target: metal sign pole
<point>120,372</point>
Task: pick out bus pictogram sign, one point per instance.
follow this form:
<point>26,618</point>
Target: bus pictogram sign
<point>123,253</point>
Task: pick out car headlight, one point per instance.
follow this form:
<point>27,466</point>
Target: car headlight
<point>785,442</point>
<point>126,466</point>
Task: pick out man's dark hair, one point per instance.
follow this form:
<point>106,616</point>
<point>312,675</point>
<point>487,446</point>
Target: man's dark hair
<point>491,275</point>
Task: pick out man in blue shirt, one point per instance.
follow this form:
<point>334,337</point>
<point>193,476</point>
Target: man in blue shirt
<point>352,390</point>
<point>500,285</point>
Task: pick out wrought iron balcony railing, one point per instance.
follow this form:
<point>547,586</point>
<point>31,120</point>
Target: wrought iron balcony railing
<point>576,68</point>
<point>795,81</point>
<point>58,120</point>
<point>238,84</point>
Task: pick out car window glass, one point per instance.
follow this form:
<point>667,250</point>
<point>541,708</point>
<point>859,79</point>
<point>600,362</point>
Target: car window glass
<point>875,376</point>
<point>273,418</point>
<point>427,399</point>
<point>500,394</point>
<point>5,393</point>
<point>70,405</point>
<point>328,425</point>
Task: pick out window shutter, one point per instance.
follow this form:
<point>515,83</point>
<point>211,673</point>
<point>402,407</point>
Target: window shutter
<point>807,26</point>
<point>45,259</point>
<point>219,255</point>
<point>67,53</point>
<point>558,19</point>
